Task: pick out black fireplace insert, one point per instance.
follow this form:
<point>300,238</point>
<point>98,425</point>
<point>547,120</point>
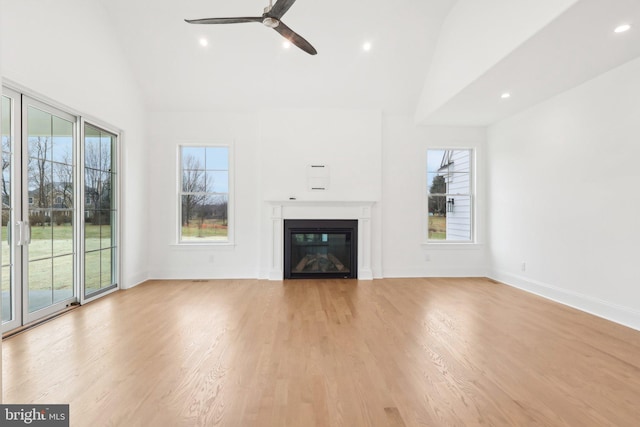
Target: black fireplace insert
<point>324,248</point>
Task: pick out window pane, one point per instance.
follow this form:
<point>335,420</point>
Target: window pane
<point>62,141</point>
<point>91,272</point>
<point>62,278</point>
<point>6,118</point>
<point>41,234</point>
<point>105,268</point>
<point>7,314</point>
<point>434,160</point>
<point>449,218</point>
<point>92,152</point>
<point>436,183</point>
<point>217,181</point>
<point>105,229</point>
<point>6,180</point>
<point>217,158</point>
<point>458,183</point>
<point>204,218</point>
<point>40,289</point>
<point>194,181</point>
<point>105,151</point>
<point>40,183</point>
<point>40,133</point>
<point>459,218</point>
<point>62,232</point>
<point>193,158</point>
<point>63,186</point>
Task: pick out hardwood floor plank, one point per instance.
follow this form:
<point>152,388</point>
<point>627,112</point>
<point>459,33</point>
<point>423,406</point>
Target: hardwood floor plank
<point>399,352</point>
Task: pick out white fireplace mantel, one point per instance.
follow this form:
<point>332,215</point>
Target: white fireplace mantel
<point>279,210</point>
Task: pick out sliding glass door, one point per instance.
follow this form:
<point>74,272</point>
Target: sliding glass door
<point>58,202</point>
<point>48,208</point>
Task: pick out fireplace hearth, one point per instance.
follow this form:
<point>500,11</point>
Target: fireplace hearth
<point>320,248</point>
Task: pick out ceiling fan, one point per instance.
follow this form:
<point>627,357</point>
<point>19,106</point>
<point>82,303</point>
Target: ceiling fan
<point>271,18</point>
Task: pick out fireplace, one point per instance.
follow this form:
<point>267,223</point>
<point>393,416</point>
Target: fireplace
<point>315,248</point>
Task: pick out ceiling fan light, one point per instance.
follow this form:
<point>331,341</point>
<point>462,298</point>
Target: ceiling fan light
<point>270,22</point>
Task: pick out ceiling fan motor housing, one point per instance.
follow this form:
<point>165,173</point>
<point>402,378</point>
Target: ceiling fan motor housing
<point>270,22</point>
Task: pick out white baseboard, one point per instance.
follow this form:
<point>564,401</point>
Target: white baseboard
<point>605,309</point>
<point>434,272</point>
<point>135,280</point>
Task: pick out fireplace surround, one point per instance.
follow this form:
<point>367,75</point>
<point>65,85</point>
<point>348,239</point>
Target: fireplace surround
<point>279,211</point>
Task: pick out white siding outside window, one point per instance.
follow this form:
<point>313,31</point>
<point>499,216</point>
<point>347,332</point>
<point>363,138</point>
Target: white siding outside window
<point>449,194</point>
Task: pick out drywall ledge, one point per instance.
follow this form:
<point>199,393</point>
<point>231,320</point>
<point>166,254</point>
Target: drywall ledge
<point>576,46</point>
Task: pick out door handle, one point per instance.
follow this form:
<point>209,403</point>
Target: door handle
<point>27,240</point>
<point>23,231</point>
<point>18,233</point>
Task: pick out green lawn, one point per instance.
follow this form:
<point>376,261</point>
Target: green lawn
<point>210,230</point>
<point>51,257</point>
<point>437,227</point>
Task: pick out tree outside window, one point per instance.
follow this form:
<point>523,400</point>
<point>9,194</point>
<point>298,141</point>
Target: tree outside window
<point>204,194</point>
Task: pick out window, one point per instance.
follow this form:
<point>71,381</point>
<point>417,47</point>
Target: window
<point>204,194</point>
<point>449,195</point>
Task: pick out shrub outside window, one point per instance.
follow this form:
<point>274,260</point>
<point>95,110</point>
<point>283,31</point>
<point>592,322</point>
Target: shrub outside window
<point>449,195</point>
<point>204,194</point>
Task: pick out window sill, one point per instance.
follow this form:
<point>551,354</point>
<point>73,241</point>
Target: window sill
<point>200,245</point>
<point>470,246</point>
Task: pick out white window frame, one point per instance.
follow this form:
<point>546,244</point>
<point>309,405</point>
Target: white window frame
<point>230,195</point>
<point>472,198</point>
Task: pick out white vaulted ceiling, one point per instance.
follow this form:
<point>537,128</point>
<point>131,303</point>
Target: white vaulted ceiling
<point>245,66</point>
<point>444,61</point>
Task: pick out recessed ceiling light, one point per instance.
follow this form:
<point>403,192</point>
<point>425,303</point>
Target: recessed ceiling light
<point>366,47</point>
<point>505,95</point>
<point>286,44</point>
<point>622,28</point>
<point>204,42</point>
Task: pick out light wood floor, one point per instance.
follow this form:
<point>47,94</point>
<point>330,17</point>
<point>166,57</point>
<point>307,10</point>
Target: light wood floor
<point>393,352</point>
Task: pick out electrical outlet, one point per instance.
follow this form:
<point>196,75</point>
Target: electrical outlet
<point>427,257</point>
<point>211,259</point>
<point>523,267</point>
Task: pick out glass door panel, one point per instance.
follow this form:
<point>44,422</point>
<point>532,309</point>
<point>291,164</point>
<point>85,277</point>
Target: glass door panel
<point>8,291</point>
<point>49,203</point>
<point>100,248</point>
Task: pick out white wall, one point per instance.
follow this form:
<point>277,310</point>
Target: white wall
<point>65,50</point>
<point>564,199</point>
<point>348,141</point>
<point>272,151</point>
<point>372,158</point>
<point>169,260</point>
<point>404,231</point>
<point>477,35</point>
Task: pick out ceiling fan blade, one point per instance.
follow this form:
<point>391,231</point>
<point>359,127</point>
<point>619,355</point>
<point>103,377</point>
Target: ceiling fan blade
<point>280,8</point>
<point>295,38</point>
<point>224,20</point>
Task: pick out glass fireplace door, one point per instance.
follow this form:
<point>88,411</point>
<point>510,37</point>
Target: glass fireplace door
<point>321,252</point>
<point>320,248</point>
